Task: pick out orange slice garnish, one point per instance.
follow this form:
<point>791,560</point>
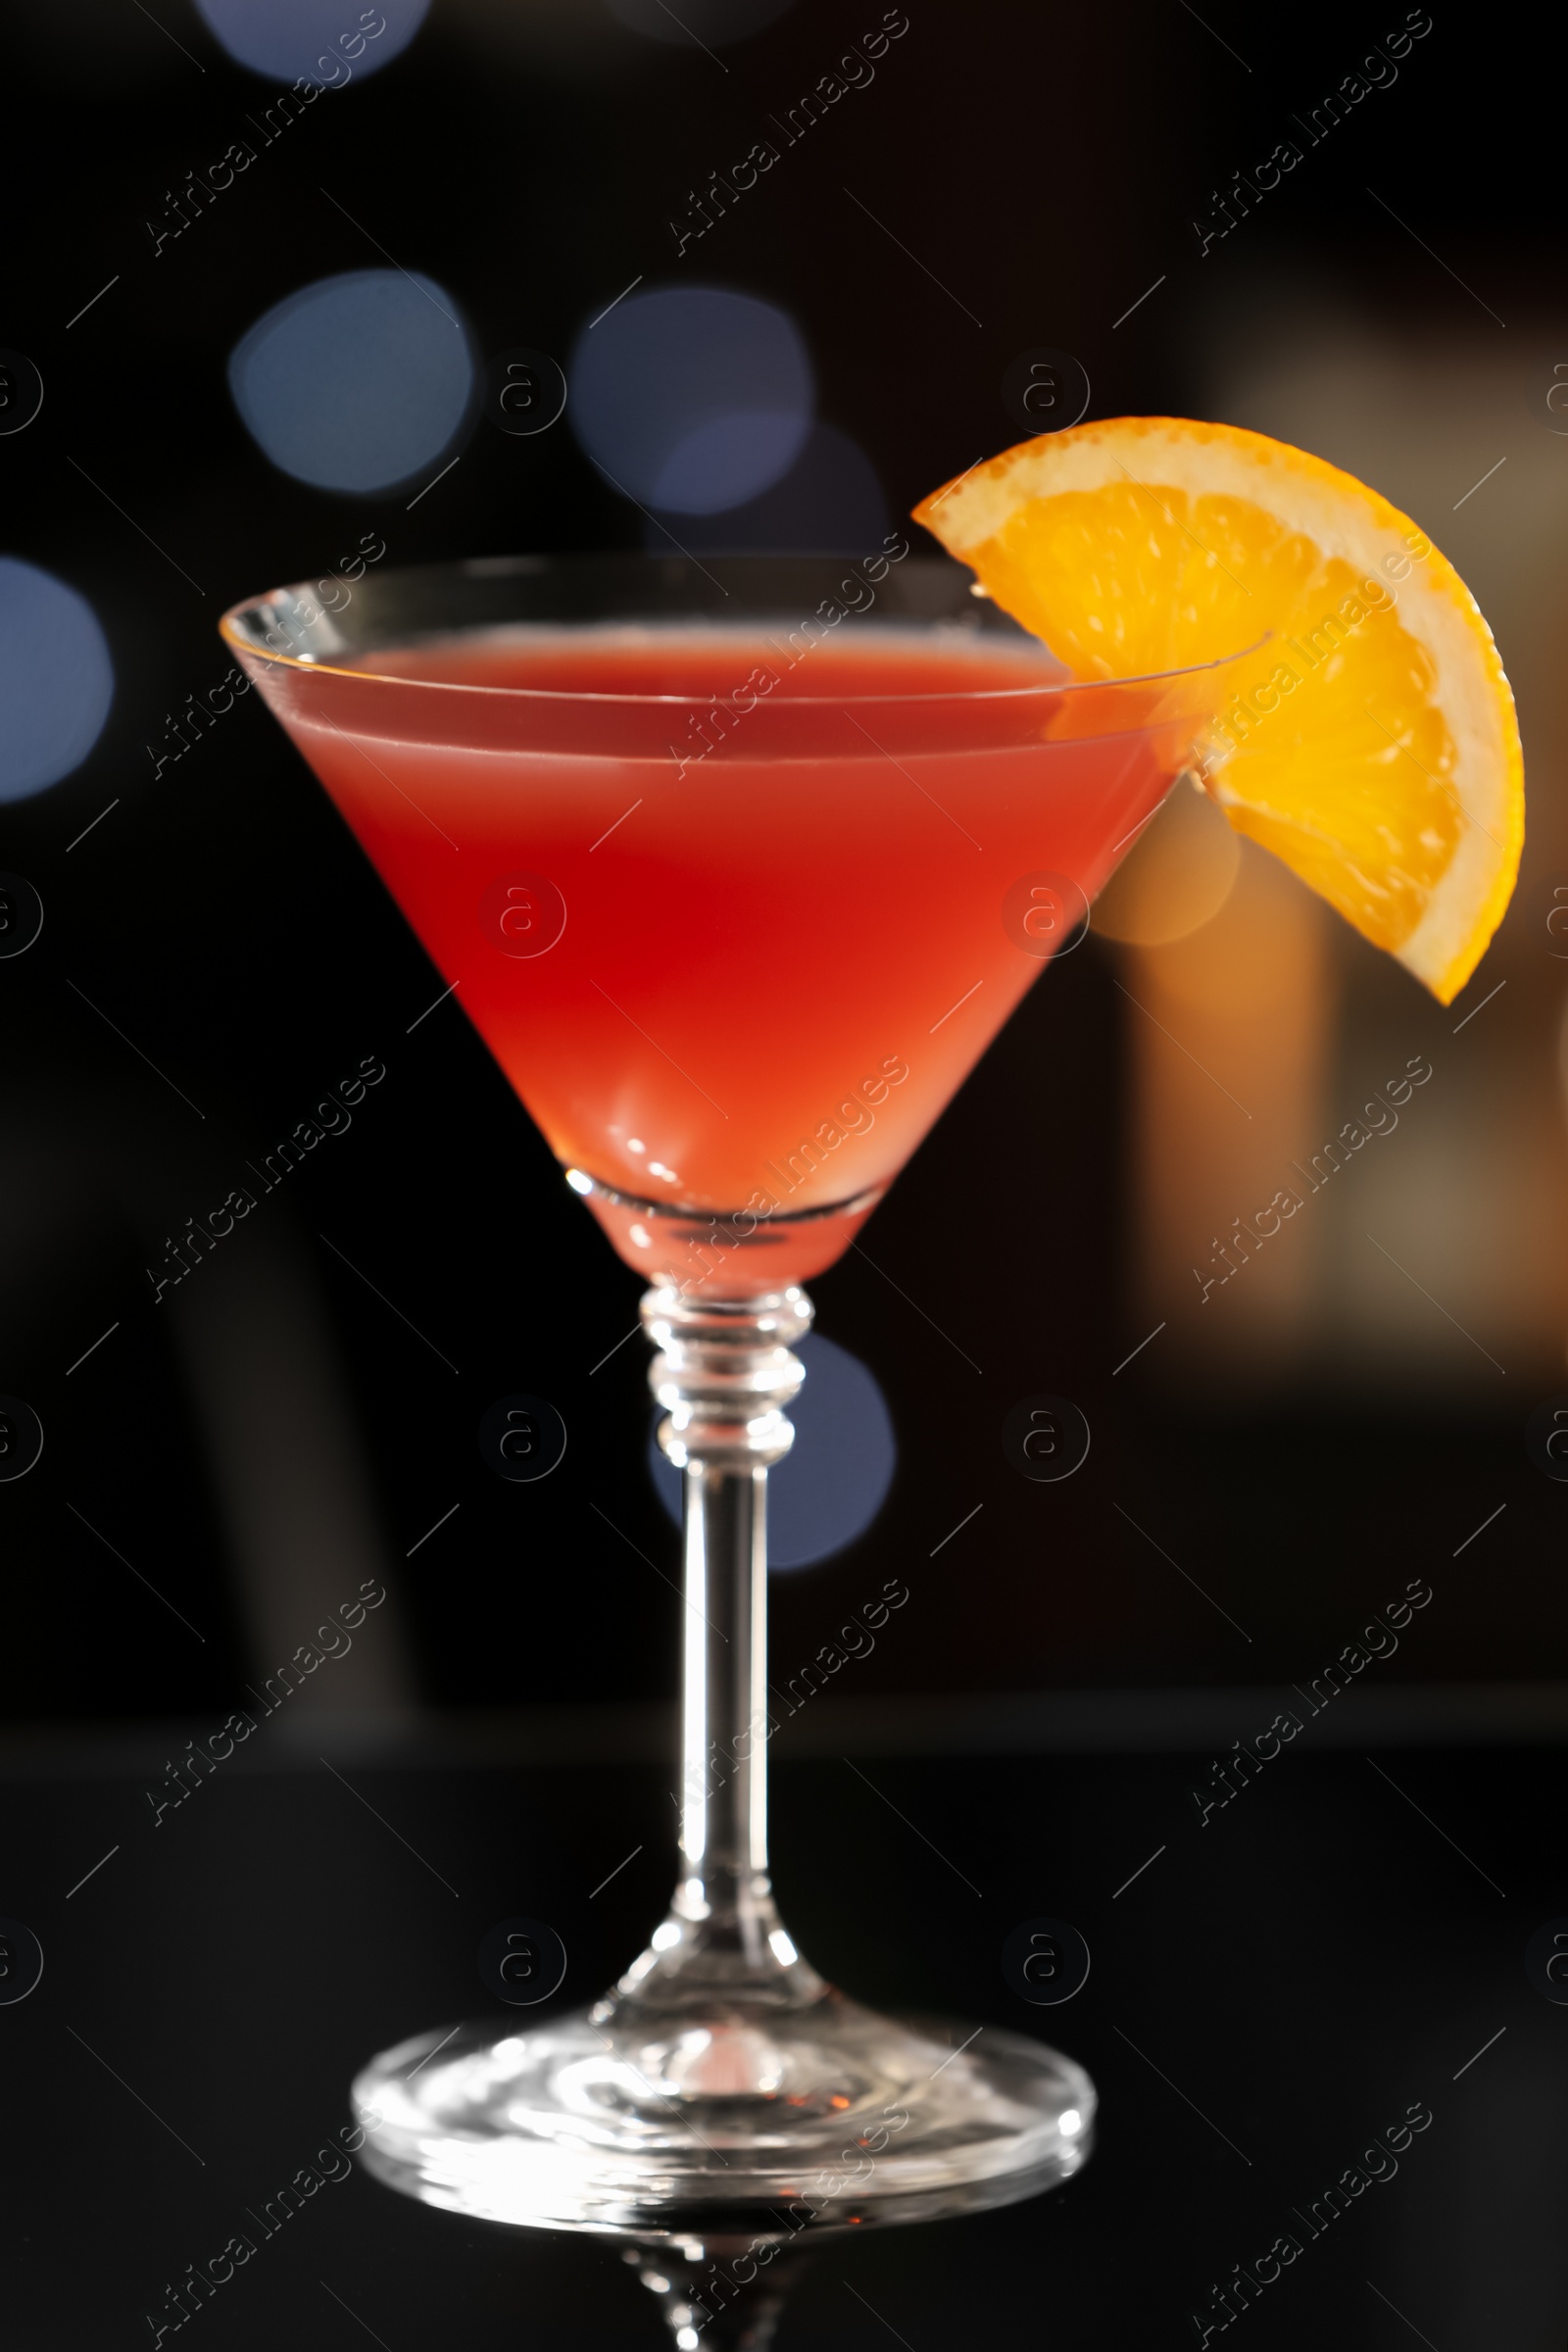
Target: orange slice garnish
<point>1370,741</point>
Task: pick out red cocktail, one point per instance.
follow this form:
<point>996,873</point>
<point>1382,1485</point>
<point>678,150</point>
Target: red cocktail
<point>735,909</point>
<point>737,873</point>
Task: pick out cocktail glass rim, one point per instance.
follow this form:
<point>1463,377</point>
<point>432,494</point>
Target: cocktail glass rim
<point>230,628</point>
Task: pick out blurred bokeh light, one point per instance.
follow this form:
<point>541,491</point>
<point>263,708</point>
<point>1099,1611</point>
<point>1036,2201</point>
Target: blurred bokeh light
<point>690,398</point>
<point>312,40</point>
<point>55,679</point>
<point>355,382</point>
<point>830,503</point>
<point>1176,876</point>
<point>834,1480</point>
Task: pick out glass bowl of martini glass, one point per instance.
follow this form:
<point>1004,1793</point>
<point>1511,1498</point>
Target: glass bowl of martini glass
<point>736,869</point>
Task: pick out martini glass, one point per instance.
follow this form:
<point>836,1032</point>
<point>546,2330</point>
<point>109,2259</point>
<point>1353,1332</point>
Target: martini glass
<point>737,871</point>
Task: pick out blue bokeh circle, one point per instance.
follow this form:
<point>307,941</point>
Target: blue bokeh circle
<point>692,399</point>
<point>327,42</point>
<point>355,382</point>
<point>835,1478</point>
<point>55,679</point>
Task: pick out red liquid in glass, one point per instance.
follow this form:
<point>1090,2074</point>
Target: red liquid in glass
<point>735,953</point>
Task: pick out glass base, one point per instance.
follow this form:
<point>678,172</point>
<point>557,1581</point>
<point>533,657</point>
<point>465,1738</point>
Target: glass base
<point>758,2123</point>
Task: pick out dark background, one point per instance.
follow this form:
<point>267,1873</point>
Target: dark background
<point>1047,167</point>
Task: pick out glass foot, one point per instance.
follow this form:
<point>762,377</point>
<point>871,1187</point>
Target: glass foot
<point>755,2121</point>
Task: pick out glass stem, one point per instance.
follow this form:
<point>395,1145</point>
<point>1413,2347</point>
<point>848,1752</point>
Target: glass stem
<point>697,2283</point>
<point>724,1372</point>
<point>723,1828</point>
